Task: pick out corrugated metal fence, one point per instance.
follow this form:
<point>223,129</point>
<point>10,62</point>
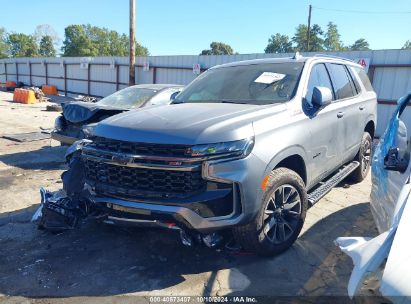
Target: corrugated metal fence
<point>389,71</point>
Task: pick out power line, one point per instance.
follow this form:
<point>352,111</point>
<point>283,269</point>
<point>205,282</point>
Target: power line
<point>358,12</point>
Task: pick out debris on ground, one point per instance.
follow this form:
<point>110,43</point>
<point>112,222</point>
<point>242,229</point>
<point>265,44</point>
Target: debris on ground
<point>26,137</point>
<point>39,94</point>
<point>54,108</point>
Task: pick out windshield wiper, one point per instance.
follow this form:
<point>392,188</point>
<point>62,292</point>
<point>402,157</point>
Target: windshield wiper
<point>233,101</point>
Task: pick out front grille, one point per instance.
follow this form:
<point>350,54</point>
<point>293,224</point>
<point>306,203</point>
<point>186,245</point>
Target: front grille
<point>136,148</point>
<point>132,180</point>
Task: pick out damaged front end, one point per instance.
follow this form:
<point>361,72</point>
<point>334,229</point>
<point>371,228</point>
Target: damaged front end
<point>77,203</point>
<point>66,208</point>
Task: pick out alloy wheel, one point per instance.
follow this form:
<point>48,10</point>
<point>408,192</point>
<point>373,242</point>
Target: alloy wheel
<point>366,156</point>
<point>282,214</point>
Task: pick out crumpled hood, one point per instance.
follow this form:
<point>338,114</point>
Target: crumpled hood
<point>81,111</point>
<point>188,123</point>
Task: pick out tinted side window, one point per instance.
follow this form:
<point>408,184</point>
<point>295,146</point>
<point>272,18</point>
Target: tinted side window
<point>318,78</point>
<point>354,79</point>
<point>364,78</point>
<point>343,86</point>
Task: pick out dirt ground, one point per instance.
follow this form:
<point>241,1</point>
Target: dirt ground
<point>100,263</point>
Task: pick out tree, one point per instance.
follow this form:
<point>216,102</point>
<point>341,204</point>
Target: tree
<point>46,30</point>
<point>4,47</point>
<point>76,42</point>
<point>332,41</point>
<point>316,40</point>
<point>46,47</point>
<point>22,45</point>
<point>87,40</point>
<point>218,48</point>
<point>360,45</point>
<point>279,44</point>
<point>407,45</point>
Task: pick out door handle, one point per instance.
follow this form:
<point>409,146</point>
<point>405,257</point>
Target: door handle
<point>361,108</point>
<point>340,114</point>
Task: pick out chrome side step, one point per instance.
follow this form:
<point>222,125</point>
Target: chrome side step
<point>327,185</point>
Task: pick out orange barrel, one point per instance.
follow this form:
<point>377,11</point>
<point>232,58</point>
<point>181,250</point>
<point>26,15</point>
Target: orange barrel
<point>15,95</point>
<point>18,95</point>
<point>10,84</point>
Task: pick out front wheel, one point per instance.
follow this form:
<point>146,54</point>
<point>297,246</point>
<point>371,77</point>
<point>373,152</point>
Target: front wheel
<point>281,216</point>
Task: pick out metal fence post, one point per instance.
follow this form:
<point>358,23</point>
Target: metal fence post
<point>65,77</point>
<point>17,71</point>
<point>46,72</point>
<point>117,77</point>
<point>30,74</point>
<point>88,78</point>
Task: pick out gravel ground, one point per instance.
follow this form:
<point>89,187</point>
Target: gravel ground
<point>100,263</point>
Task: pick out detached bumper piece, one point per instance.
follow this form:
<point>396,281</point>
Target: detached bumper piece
<point>57,212</point>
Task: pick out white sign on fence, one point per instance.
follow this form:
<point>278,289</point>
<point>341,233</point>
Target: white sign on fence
<point>112,64</point>
<point>196,68</point>
<point>84,62</point>
<point>364,62</point>
<point>146,66</point>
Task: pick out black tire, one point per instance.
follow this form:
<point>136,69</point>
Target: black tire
<point>54,108</point>
<point>364,158</point>
<point>254,237</point>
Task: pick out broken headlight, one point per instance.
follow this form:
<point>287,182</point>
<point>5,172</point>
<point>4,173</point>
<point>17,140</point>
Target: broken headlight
<point>240,148</point>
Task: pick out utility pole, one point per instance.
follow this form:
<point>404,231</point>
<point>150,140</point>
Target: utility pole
<point>132,61</point>
<point>308,28</point>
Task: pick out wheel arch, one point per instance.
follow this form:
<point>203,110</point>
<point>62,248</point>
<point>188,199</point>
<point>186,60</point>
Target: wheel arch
<point>370,128</point>
<point>293,158</point>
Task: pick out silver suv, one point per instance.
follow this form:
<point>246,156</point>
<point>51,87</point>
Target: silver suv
<point>247,147</point>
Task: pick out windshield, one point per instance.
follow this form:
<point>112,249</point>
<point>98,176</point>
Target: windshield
<point>252,84</point>
<point>128,98</point>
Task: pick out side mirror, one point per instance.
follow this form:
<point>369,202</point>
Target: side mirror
<point>392,161</point>
<point>322,96</point>
<point>174,95</point>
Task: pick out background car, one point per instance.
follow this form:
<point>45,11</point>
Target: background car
<point>390,203</point>
<point>79,118</point>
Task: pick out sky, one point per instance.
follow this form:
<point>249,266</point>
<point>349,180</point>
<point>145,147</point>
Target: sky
<point>186,27</point>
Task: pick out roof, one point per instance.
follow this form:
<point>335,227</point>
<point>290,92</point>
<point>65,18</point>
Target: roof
<point>287,59</point>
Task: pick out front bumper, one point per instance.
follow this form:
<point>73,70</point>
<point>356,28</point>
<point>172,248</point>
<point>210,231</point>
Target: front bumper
<point>244,175</point>
<point>64,139</point>
<point>127,212</point>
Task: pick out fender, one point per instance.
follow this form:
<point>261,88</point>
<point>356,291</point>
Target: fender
<point>283,154</point>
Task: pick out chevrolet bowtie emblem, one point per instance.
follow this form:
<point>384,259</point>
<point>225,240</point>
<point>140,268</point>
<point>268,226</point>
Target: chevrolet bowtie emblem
<point>122,160</point>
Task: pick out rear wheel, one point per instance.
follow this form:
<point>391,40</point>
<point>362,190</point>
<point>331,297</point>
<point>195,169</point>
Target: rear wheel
<point>280,218</point>
<point>364,158</point>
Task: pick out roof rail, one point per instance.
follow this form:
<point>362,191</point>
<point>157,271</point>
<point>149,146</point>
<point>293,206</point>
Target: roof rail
<point>333,56</point>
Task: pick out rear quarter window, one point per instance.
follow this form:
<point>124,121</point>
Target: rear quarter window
<point>343,85</point>
<point>363,77</point>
